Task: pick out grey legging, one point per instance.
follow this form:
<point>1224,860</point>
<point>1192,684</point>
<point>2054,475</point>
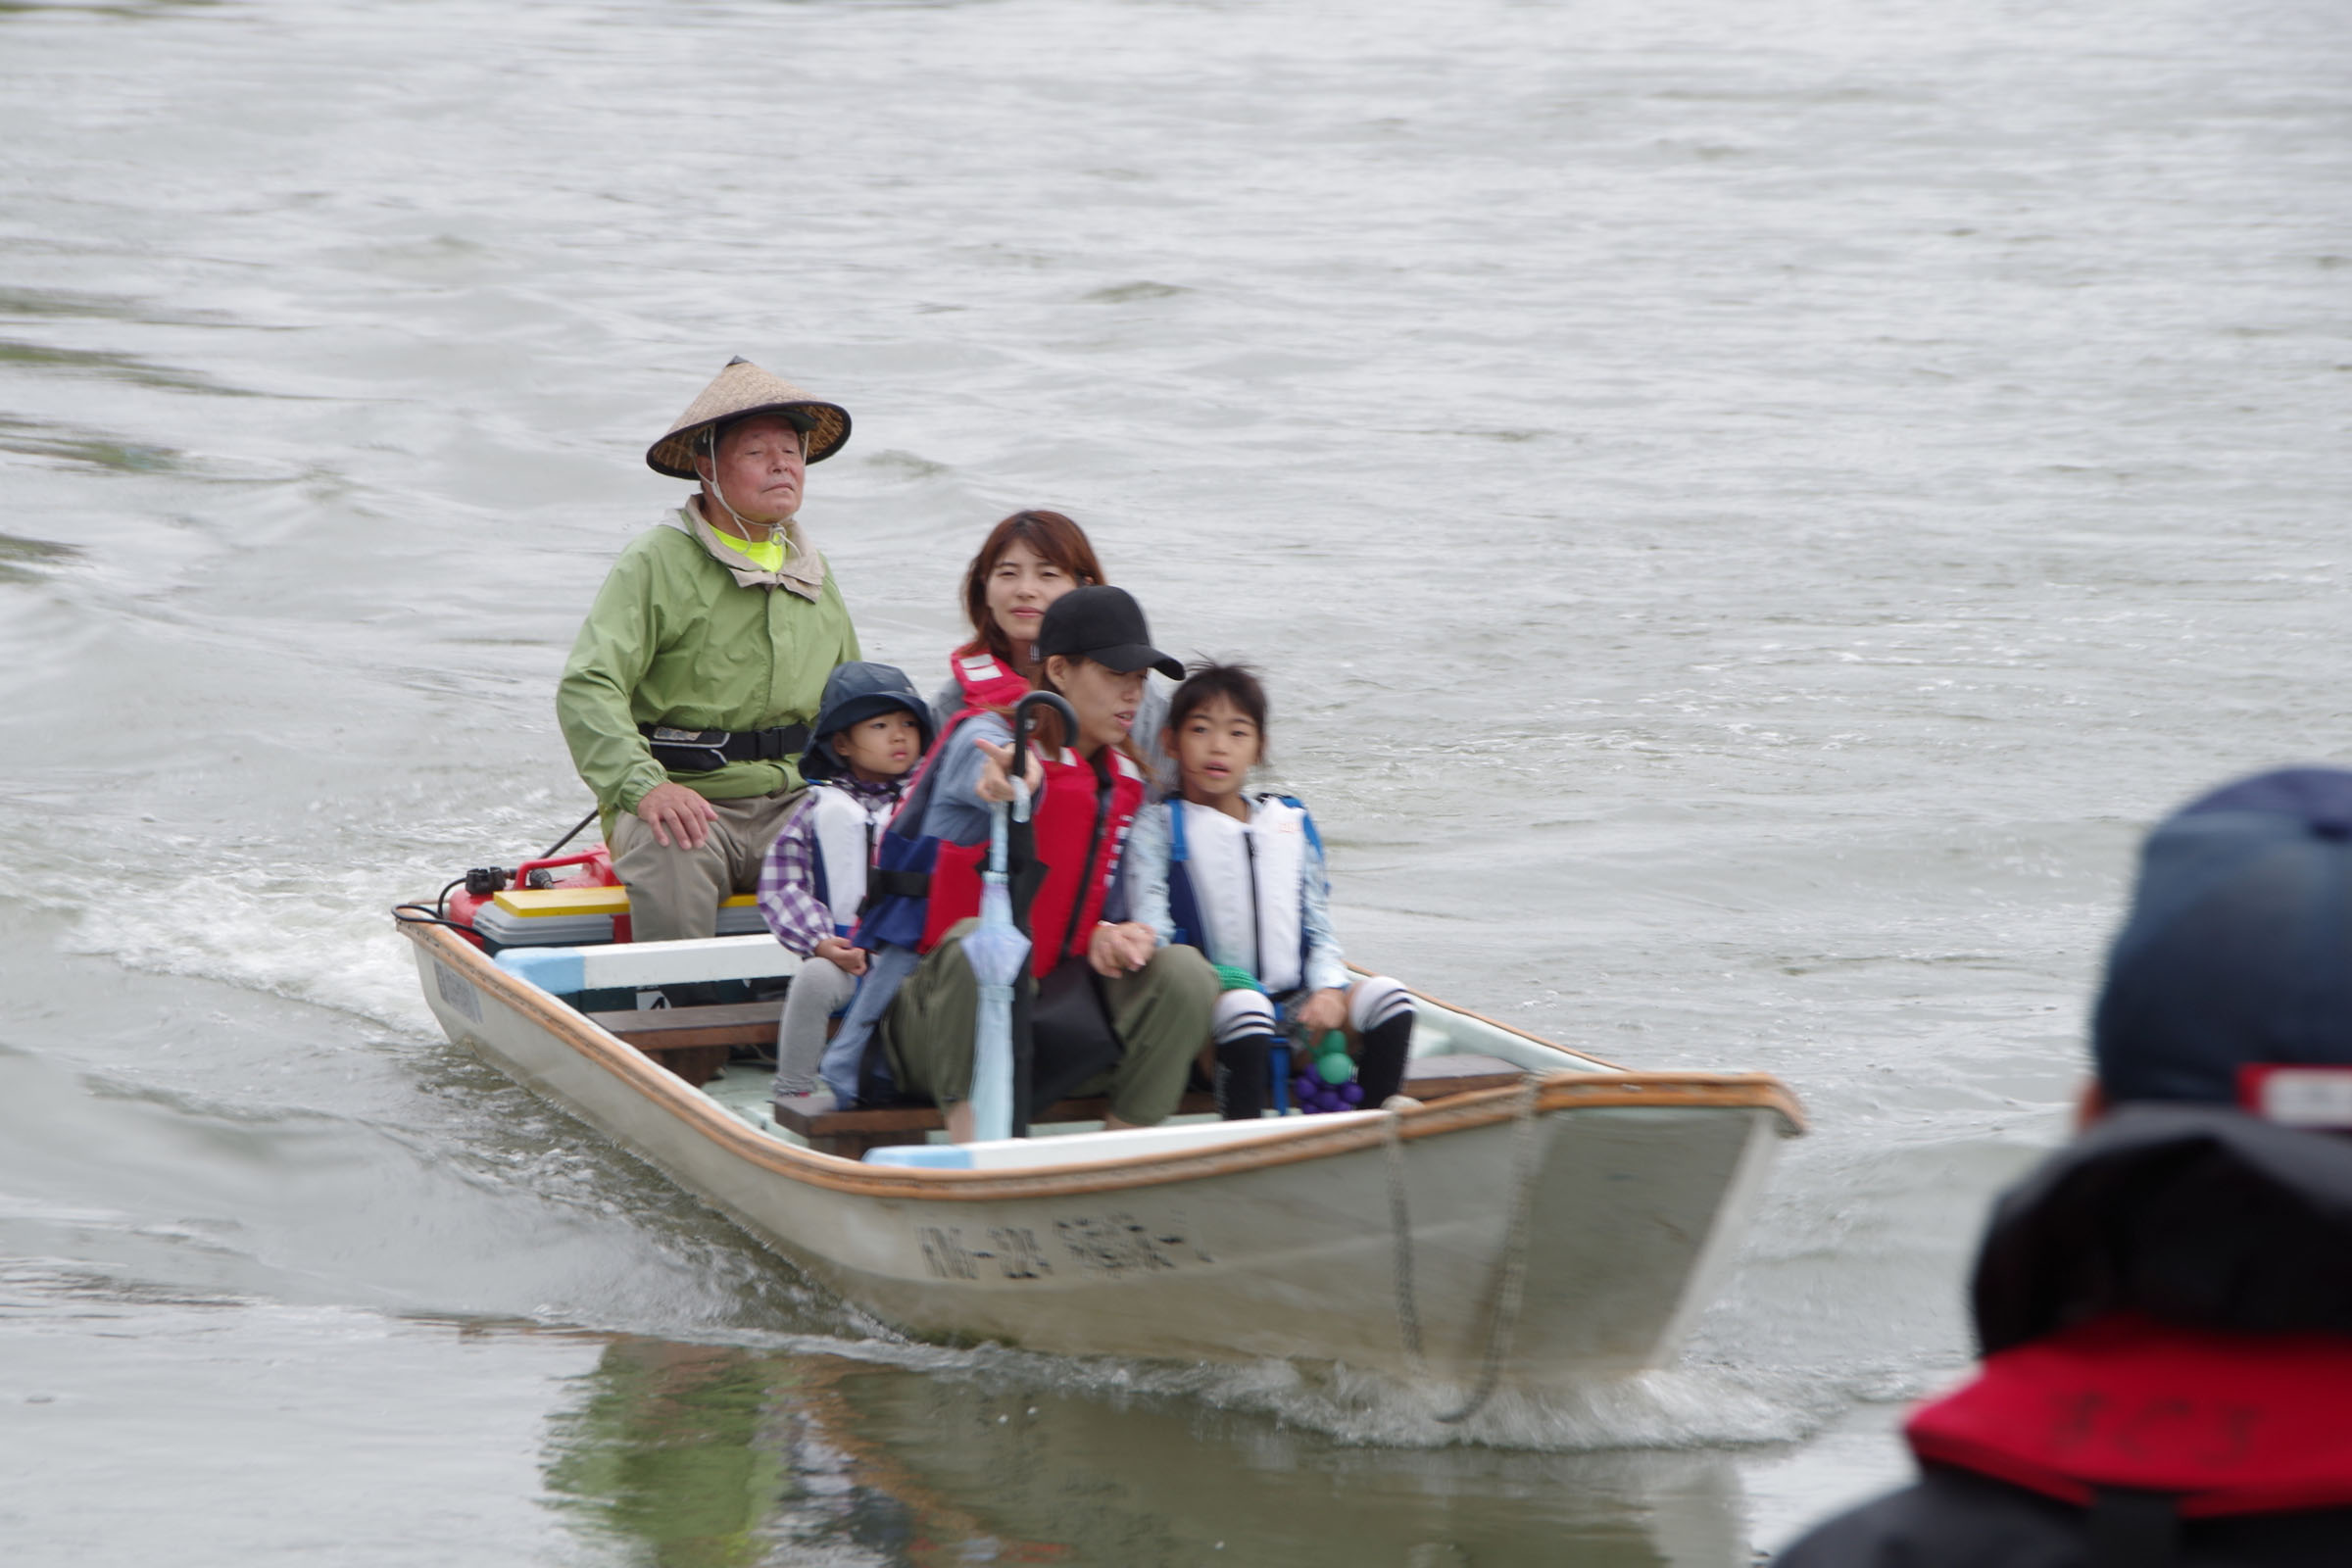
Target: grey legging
<point>819,989</point>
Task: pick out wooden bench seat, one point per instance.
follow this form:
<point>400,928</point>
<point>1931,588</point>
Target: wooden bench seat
<point>850,1133</point>
<point>694,1042</point>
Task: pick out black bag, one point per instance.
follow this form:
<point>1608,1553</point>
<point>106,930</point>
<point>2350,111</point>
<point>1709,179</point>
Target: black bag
<point>1065,1037</point>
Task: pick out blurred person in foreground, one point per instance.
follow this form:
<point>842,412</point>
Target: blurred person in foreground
<point>2165,1306</point>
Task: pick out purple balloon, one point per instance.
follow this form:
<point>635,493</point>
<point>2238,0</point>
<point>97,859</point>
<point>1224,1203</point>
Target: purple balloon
<point>1352,1093</point>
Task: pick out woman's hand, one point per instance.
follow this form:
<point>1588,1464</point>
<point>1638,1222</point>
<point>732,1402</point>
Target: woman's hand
<point>671,809</point>
<point>1324,1011</point>
<point>837,952</point>
<point>996,776</point>
<point>1117,949</point>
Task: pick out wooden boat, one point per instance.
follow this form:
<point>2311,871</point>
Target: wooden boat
<point>1542,1217</point>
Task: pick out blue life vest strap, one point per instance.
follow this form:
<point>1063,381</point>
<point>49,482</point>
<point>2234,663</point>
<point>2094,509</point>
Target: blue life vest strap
<point>1306,820</point>
<point>1312,837</point>
<point>1183,907</point>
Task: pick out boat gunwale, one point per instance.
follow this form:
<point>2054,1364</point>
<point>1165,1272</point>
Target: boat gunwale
<point>1508,1028</point>
<point>1569,1089</point>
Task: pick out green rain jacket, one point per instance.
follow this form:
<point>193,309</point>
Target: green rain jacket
<point>692,634</point>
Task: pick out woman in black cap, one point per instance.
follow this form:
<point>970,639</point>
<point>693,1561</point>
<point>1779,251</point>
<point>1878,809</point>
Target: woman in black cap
<point>1149,1005</point>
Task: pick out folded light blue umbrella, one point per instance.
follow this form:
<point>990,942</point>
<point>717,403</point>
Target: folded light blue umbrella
<point>996,949</point>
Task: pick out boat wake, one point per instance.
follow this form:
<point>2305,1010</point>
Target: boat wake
<point>285,937</point>
<point>1670,1408</point>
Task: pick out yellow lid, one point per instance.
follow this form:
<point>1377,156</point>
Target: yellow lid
<point>528,902</point>
<point>531,903</point>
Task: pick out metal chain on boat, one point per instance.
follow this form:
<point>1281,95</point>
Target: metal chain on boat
<point>1501,1328</point>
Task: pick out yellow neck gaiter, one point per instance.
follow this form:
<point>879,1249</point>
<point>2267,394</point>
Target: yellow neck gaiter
<point>765,554</point>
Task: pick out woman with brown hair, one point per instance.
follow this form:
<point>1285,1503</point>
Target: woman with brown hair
<point>1027,561</point>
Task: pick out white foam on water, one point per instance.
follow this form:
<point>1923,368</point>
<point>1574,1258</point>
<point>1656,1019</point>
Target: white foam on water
<point>318,946</point>
<point>1675,1408</point>
<point>309,919</point>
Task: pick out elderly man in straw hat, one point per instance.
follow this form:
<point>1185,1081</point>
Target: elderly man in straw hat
<point>689,693</point>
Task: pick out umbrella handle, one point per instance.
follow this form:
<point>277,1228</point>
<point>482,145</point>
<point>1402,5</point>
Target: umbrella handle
<point>1021,726</point>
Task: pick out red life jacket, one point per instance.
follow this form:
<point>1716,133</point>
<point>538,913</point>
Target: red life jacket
<point>1074,840</point>
<point>2228,1422</point>
<point>985,680</point>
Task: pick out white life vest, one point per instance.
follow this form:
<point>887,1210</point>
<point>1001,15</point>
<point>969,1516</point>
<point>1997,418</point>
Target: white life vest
<point>1243,885</point>
<point>844,828</point>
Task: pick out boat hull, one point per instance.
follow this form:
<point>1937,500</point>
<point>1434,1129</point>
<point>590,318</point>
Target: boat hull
<point>1292,1245</point>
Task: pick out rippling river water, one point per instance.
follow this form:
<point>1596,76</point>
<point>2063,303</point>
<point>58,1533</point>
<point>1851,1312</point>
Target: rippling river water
<point>1749,508</point>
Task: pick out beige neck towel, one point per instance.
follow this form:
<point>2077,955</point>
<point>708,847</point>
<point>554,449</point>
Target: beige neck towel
<point>802,571</point>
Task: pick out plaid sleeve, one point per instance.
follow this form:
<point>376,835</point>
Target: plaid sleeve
<point>786,876</point>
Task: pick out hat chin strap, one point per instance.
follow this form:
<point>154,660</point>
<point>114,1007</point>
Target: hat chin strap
<point>711,481</point>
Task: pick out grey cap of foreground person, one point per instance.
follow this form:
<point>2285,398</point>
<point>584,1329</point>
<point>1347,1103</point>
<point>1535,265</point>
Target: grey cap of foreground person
<point>2164,1306</point>
<point>2238,949</point>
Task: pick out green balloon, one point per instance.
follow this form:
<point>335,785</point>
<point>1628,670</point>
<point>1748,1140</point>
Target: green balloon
<point>1335,1067</point>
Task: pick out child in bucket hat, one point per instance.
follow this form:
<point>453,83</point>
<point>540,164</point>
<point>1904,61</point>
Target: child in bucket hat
<point>872,729</point>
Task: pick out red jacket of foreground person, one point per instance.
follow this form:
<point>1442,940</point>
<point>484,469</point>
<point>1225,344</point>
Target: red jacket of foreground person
<point>2166,1308</point>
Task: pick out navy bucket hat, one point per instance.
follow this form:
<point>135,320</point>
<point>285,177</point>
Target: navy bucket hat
<point>2238,948</point>
<point>854,694</point>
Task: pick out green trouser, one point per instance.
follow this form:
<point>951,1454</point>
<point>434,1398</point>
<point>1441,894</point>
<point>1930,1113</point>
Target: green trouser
<point>1159,1012</point>
<point>675,892</point>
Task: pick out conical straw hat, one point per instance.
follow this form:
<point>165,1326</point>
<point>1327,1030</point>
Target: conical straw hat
<point>744,388</point>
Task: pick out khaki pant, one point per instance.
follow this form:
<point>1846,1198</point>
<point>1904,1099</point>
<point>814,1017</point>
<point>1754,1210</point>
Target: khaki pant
<point>675,892</point>
<point>1159,1012</point>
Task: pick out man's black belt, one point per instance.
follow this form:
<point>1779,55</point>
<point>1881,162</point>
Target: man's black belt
<point>705,750</point>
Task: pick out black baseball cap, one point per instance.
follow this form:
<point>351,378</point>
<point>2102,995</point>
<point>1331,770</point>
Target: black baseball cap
<point>1106,625</point>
